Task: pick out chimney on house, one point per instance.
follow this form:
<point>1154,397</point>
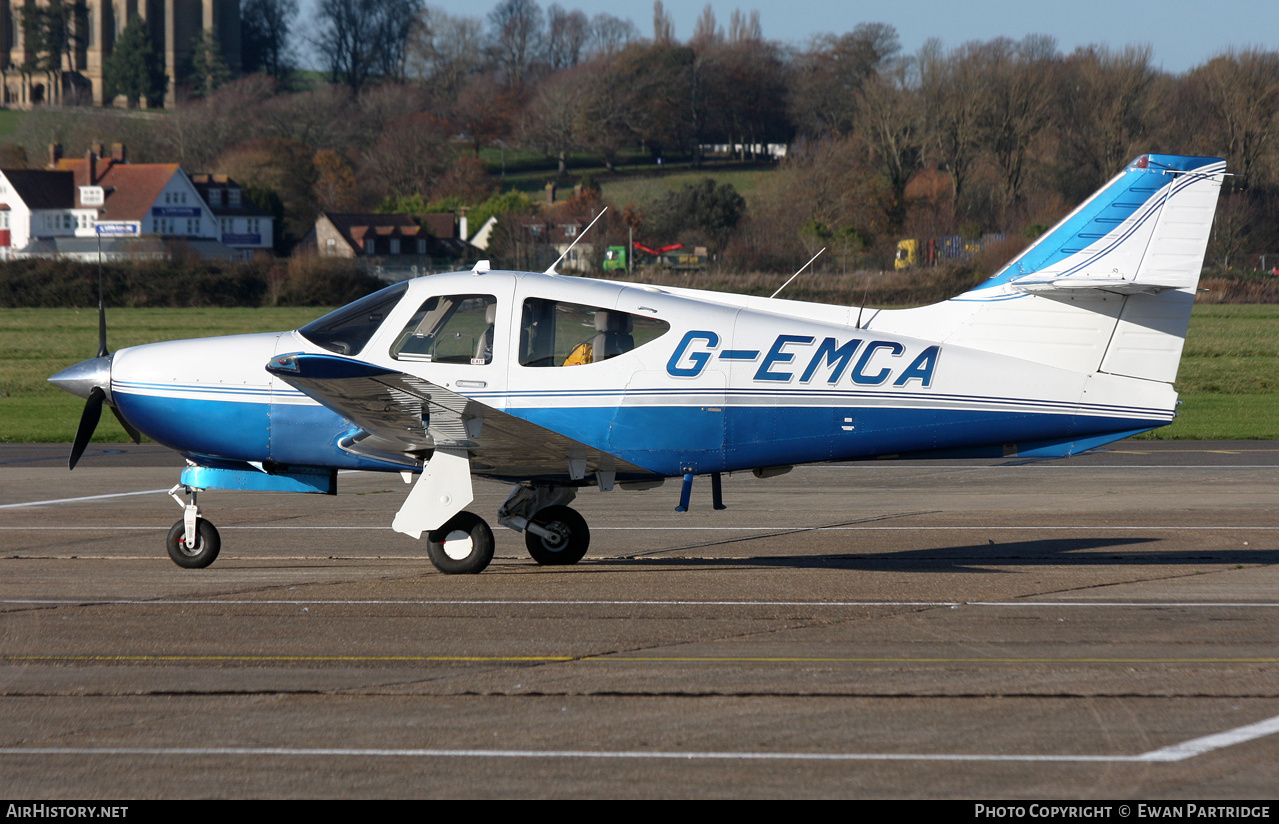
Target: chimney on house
<point>550,194</point>
<point>55,154</point>
<point>462,226</point>
<point>117,153</point>
<point>91,160</point>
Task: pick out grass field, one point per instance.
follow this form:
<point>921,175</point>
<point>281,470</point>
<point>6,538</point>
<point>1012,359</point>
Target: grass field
<point>1229,376</point>
<point>1229,379</point>
<point>39,342</point>
<point>643,190</point>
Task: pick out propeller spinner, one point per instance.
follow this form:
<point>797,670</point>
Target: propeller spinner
<point>91,379</point>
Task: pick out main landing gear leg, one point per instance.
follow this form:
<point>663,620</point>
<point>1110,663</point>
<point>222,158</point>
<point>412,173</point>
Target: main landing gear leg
<point>554,534</point>
<point>193,542</point>
<point>457,542</point>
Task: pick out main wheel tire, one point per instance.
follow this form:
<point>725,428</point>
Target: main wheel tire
<point>208,543</point>
<point>574,536</point>
<point>463,546</point>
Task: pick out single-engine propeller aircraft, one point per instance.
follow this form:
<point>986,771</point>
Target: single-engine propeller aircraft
<point>554,383</point>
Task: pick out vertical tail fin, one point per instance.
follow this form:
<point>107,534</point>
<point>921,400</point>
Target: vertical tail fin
<point>1108,289</point>
<point>1145,230</point>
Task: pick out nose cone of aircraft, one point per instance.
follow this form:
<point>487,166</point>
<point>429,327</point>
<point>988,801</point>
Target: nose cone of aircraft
<point>84,376</point>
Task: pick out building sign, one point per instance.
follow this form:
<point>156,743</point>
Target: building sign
<point>118,227</point>
<point>242,240</point>
<point>175,211</point>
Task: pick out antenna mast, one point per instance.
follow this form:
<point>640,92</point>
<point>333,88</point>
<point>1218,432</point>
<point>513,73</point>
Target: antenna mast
<point>792,277</point>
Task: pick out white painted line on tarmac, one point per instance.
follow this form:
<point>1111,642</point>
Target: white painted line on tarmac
<point>1199,746</point>
<point>1176,752</point>
<point>1027,463</point>
<point>83,498</point>
<point>616,603</point>
<point>112,495</point>
<point>798,528</point>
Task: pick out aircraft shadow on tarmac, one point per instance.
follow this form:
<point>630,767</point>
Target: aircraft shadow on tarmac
<point>976,557</point>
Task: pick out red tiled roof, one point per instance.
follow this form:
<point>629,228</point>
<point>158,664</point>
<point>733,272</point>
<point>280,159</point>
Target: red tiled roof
<point>132,189</point>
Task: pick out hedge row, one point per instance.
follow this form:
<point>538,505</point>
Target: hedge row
<point>311,281</point>
<point>301,281</point>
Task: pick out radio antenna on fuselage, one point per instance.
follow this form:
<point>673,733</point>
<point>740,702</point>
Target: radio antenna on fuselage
<point>792,277</point>
<point>582,234</point>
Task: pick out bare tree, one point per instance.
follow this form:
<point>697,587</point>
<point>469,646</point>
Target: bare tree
<point>445,51</point>
<point>743,93</point>
<point>840,200</point>
<point>827,76</point>
<point>407,157</point>
<point>609,35</point>
<point>264,35</point>
<point>323,117</point>
<point>196,133</point>
<point>608,104</point>
<point>567,34</point>
<point>1021,85</point>
<point>554,121</point>
<point>663,25</point>
<point>707,31</point>
<point>517,37</point>
<point>1240,90</point>
<point>742,27</point>
<point>363,39</point>
<point>1110,103</point>
<point>954,104</point>
<point>484,111</point>
<point>889,124</point>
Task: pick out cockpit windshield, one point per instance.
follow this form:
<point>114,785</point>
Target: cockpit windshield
<point>346,330</point>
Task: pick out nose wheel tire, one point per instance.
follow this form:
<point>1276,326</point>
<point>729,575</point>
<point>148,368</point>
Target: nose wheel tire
<point>207,545</point>
<point>572,537</point>
<point>463,546</point>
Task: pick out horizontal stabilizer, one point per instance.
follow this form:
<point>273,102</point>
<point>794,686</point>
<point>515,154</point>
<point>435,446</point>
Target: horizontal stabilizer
<point>1114,286</point>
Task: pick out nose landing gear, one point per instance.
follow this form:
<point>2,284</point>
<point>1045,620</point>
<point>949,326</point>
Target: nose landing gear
<point>193,542</point>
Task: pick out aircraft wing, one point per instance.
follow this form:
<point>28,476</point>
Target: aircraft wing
<point>405,415</point>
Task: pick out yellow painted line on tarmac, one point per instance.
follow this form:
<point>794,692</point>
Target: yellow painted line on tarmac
<point>1188,451</point>
<point>607,658</point>
<point>279,659</point>
<point>886,660</point>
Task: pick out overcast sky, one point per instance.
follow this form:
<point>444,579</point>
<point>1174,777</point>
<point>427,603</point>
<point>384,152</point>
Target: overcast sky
<point>1181,33</point>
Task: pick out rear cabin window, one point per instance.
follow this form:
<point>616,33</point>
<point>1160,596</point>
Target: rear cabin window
<point>346,330</point>
<point>556,333</point>
<point>450,329</point>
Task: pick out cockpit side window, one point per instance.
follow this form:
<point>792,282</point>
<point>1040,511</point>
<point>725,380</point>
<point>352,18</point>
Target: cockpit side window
<point>346,330</point>
<point>450,329</point>
<point>557,333</point>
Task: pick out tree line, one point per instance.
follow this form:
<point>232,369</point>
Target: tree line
<point>1002,136</point>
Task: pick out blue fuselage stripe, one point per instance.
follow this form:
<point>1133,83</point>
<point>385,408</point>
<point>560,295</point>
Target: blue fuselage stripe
<point>668,440</point>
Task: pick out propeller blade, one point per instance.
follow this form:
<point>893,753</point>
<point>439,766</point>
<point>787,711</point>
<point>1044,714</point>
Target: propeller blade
<point>128,427</point>
<point>88,422</point>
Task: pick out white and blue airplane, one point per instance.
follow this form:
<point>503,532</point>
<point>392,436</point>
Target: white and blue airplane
<point>554,383</point>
